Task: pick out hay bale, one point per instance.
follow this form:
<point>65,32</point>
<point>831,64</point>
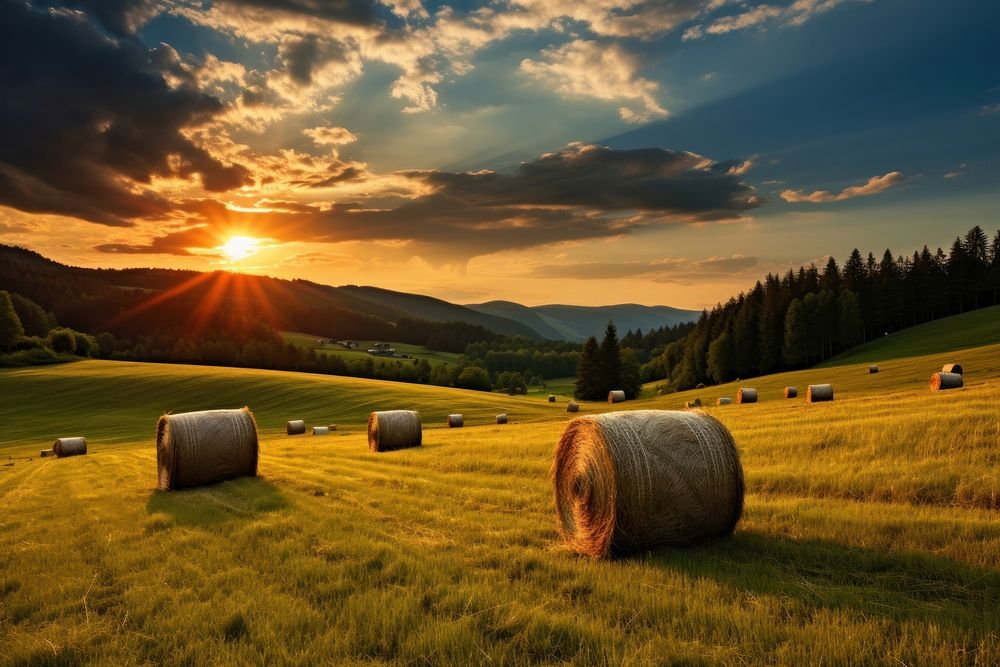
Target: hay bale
<point>952,368</point>
<point>502,419</point>
<point>552,398</point>
<point>45,453</point>
<point>791,392</point>
<point>64,447</point>
<point>295,427</point>
<point>724,400</point>
<point>616,396</point>
<point>746,395</point>
<point>873,368</point>
<point>194,448</point>
<point>940,381</point>
<point>321,430</point>
<point>626,481</point>
<point>394,429</point>
<point>455,421</point>
<point>819,392</point>
<point>696,403</point>
<point>572,407</point>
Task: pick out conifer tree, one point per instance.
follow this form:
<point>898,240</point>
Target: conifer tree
<point>10,325</point>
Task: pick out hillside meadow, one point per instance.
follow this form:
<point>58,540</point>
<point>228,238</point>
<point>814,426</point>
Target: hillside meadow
<point>870,533</point>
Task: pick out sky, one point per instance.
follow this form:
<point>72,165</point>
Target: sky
<point>541,151</point>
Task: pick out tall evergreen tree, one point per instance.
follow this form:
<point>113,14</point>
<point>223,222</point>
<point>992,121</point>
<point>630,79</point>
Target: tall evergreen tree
<point>586,369</point>
<point>794,350</point>
<point>10,325</point>
<point>609,362</point>
<point>849,324</point>
<point>721,358</point>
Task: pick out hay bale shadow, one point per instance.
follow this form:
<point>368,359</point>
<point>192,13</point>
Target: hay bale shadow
<point>901,586</point>
<point>242,499</point>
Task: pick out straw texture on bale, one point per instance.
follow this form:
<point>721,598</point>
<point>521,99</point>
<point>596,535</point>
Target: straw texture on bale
<point>295,427</point>
<point>819,392</point>
<point>626,481</point>
<point>195,448</point>
<point>746,395</point>
<point>941,381</point>
<point>873,368</point>
<point>616,396</point>
<point>791,392</point>
<point>725,400</point>
<point>552,398</point>
<point>572,407</point>
<point>47,452</point>
<point>502,419</point>
<point>394,429</point>
<point>321,430</point>
<point>952,368</point>
<point>696,403</point>
<point>70,447</point>
<point>455,421</point>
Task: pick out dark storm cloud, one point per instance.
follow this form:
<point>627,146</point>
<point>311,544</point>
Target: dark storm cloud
<point>118,17</point>
<point>82,115</point>
<point>586,176</point>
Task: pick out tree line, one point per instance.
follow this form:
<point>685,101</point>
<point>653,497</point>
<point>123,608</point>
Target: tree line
<point>806,316</point>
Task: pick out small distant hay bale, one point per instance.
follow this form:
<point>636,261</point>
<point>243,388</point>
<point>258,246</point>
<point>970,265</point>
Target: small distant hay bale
<point>819,392</point>
<point>941,381</point>
<point>295,427</point>
<point>791,392</point>
<point>616,396</point>
<point>873,368</point>
<point>64,447</point>
<point>195,448</point>
<point>952,368</point>
<point>700,385</point>
<point>455,421</point>
<point>627,481</point>
<point>321,430</point>
<point>724,400</point>
<point>552,398</point>
<point>746,395</point>
<point>502,419</point>
<point>45,453</point>
<point>394,429</point>
<point>572,407</point>
<point>696,403</point>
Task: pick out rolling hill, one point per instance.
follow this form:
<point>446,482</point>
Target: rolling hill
<point>577,323</point>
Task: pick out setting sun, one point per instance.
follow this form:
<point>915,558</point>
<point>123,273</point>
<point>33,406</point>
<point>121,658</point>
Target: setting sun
<point>239,247</point>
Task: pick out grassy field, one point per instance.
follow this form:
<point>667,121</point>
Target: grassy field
<point>870,534</point>
<point>309,342</point>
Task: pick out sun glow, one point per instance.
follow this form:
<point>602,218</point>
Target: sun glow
<point>239,247</point>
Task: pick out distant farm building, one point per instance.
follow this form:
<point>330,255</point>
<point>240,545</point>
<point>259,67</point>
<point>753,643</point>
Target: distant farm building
<point>382,350</point>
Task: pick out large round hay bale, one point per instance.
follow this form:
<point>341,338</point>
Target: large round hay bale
<point>321,430</point>
<point>696,403</point>
<point>64,447</point>
<point>791,392</point>
<point>941,381</point>
<point>455,421</point>
<point>616,396</point>
<point>502,419</point>
<point>873,368</point>
<point>724,400</point>
<point>394,429</point>
<point>295,427</point>
<point>952,368</point>
<point>194,448</point>
<point>572,407</point>
<point>552,398</point>
<point>746,395</point>
<point>632,480</point>
<point>819,392</point>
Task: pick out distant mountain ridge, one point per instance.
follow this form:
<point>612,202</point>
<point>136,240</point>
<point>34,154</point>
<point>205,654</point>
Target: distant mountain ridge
<point>577,323</point>
<point>294,304</point>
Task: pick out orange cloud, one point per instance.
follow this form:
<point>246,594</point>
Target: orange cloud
<point>874,186</point>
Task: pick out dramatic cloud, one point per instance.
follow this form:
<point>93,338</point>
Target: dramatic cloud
<point>796,13</point>
<point>119,17</point>
<point>601,71</point>
<point>86,122</point>
<point>582,192</point>
<point>330,136</point>
<point>874,186</point>
<point>661,270</point>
